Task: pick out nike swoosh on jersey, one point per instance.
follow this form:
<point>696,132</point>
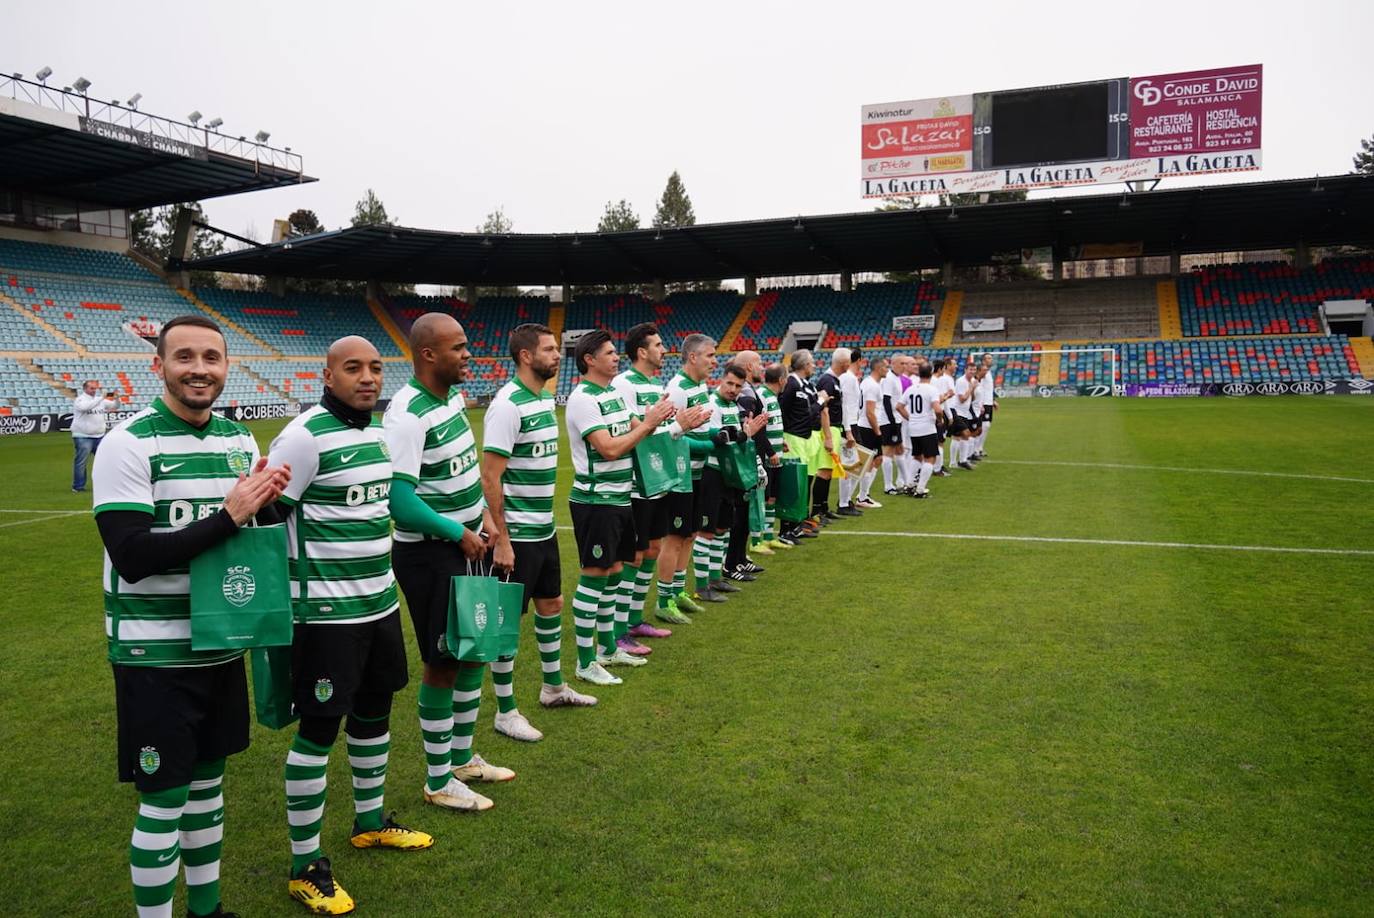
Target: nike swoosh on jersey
<point>175,465</point>
<point>343,458</point>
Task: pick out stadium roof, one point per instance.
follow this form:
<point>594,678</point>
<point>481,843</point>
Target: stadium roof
<point>1322,211</point>
<point>61,144</point>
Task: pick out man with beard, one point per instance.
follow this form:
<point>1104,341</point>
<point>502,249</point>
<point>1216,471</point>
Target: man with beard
<point>640,387</point>
<point>738,565</point>
<point>773,377</point>
<point>437,506</point>
<point>519,471</point>
<point>170,483</point>
<point>688,390</point>
<point>348,655</point>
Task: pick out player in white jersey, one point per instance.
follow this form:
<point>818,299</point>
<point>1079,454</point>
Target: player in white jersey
<point>867,428</point>
<point>923,403</point>
<point>944,384</point>
<point>988,397</point>
<point>348,655</point>
<point>170,483</point>
<point>890,422</point>
<point>963,419</point>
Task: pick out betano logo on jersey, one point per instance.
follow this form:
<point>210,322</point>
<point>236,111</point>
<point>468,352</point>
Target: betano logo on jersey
<point>239,585</point>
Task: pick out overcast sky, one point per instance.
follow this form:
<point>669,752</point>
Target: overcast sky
<point>549,110</point>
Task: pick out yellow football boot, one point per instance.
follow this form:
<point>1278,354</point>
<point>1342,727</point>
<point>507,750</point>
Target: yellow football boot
<point>315,888</point>
<point>390,835</point>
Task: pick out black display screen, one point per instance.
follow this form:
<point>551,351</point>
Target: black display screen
<point>1061,124</point>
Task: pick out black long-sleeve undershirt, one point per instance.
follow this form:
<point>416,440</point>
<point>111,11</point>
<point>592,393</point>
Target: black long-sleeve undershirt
<point>137,552</point>
<point>750,406</point>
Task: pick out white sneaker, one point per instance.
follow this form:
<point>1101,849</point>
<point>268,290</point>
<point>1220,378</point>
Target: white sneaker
<point>514,725</point>
<point>479,769</point>
<point>620,658</point>
<point>869,503</point>
<point>596,675</point>
<point>456,795</point>
<point>558,696</point>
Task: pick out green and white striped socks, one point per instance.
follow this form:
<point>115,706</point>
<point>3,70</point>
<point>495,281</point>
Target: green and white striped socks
<point>644,576</point>
<point>503,683</point>
<point>586,604</point>
<point>202,836</point>
<point>436,728</point>
<point>369,752</point>
<point>701,561</point>
<point>629,576</point>
<point>467,697</point>
<point>548,633</point>
<point>155,850</point>
<point>605,615</point>
<point>306,765</point>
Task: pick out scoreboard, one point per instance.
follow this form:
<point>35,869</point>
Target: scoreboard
<point>1106,131</point>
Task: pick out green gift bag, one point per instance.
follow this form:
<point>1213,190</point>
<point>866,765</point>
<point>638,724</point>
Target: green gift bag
<point>682,465</point>
<point>473,634</point>
<point>655,464</point>
<point>793,499</point>
<point>241,592</point>
<point>272,687</point>
<point>739,465</point>
<point>512,595</point>
<point>757,519</point>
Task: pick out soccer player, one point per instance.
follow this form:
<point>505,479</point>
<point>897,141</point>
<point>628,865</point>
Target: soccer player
<point>437,506</point>
<point>987,391</point>
<point>869,423</point>
<point>944,384</point>
<point>602,432</point>
<point>723,430</point>
<point>852,402</point>
<point>890,419</point>
<point>923,401</point>
<point>348,655</point>
<point>773,376</point>
<point>737,562</point>
<point>687,390</point>
<point>832,384</point>
<point>519,470</point>
<point>801,418</point>
<point>963,419</point>
<point>640,387</point>
<point>170,483</point>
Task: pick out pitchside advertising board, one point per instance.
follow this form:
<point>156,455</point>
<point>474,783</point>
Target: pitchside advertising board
<point>1122,129</point>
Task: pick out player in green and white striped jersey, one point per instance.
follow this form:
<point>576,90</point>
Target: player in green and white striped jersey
<point>686,390</point>
<point>437,506</point>
<point>641,387</point>
<point>170,483</point>
<point>602,432</point>
<point>348,657</point>
<point>519,471</point>
<point>773,376</point>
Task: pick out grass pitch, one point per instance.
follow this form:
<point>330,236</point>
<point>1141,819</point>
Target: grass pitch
<point>883,724</point>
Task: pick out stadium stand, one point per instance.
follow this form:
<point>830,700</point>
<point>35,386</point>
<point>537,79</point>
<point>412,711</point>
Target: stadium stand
<point>299,324</point>
<point>133,380</point>
<point>862,317</point>
<point>1103,309</point>
<point>488,322</point>
<point>1254,360</point>
<point>1268,298</point>
<point>707,312</point>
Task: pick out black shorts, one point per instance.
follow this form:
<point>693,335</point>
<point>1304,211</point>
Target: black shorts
<point>709,494</point>
<point>925,445</point>
<point>331,665</point>
<point>539,568</point>
<point>730,498</point>
<point>975,423</point>
<point>958,424</point>
<point>425,572</point>
<point>892,435</point>
<point>679,510</point>
<point>868,438</point>
<point>987,414</point>
<point>171,717</point>
<point>605,534</point>
<point>651,520</point>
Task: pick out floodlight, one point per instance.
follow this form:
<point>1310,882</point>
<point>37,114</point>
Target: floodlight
<point>17,76</point>
<point>214,123</point>
<point>133,100</point>
<point>195,117</point>
<point>81,85</point>
<point>42,75</point>
<point>261,136</point>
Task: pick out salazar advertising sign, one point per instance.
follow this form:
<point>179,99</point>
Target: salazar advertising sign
<point>919,137</point>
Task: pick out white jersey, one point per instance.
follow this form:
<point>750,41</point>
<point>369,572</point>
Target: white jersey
<point>920,401</point>
<point>852,406</point>
<point>892,391</point>
<point>870,390</point>
<point>976,400</point>
<point>961,407</point>
<point>987,393</point>
<point>944,385</point>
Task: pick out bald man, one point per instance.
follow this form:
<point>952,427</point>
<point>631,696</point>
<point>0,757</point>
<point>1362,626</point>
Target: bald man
<point>348,655</point>
<point>738,564</point>
<point>440,519</point>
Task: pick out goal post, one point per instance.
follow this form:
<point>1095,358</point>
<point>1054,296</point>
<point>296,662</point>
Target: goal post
<point>1110,356</point>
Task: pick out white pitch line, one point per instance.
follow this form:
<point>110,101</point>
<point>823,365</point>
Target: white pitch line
<point>41,510</point>
<point>44,519</point>
<point>1135,543</point>
<point>1176,468</point>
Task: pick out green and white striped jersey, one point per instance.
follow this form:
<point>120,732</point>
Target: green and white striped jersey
<point>339,536</point>
<point>596,479</point>
<point>156,463</point>
<point>685,393</point>
<point>773,409</point>
<point>640,392</point>
<point>432,446</point>
<point>521,425</point>
<point>723,414</point>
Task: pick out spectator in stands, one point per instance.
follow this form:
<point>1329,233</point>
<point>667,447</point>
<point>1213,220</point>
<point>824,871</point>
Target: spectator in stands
<point>89,419</point>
